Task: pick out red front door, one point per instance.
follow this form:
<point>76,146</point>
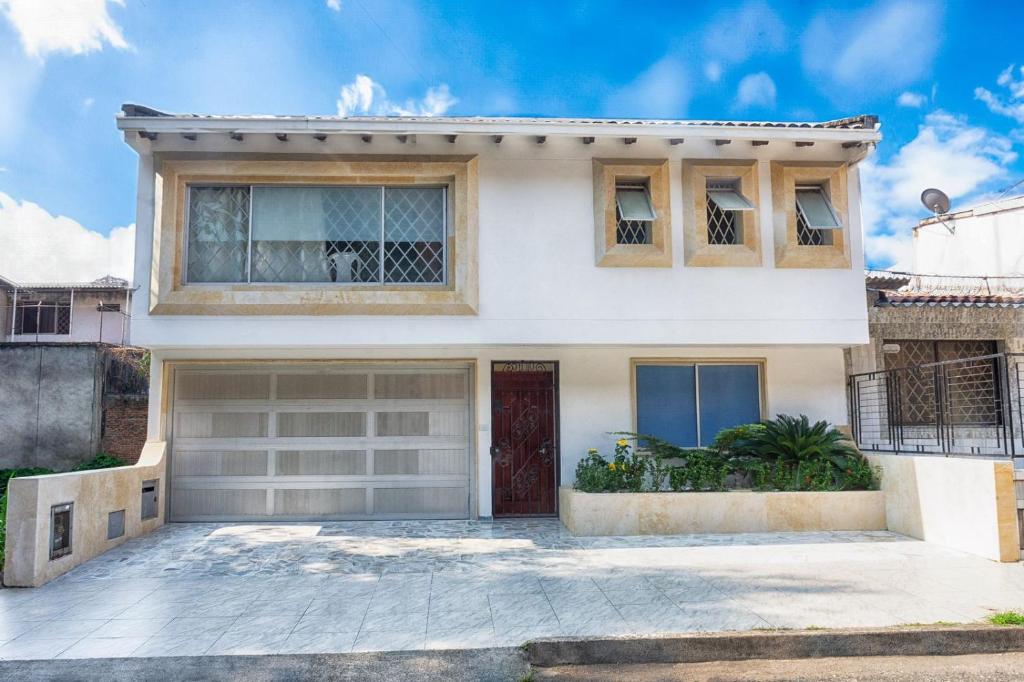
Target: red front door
<point>524,438</point>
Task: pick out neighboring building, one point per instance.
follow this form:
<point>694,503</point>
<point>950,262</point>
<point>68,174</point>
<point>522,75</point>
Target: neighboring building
<point>392,317</point>
<point>965,300</point>
<point>70,312</point>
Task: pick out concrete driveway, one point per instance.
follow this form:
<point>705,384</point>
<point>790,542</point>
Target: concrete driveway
<point>194,589</point>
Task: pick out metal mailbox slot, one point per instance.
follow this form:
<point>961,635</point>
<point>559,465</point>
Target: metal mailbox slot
<point>115,524</point>
<point>149,498</point>
<point>61,518</point>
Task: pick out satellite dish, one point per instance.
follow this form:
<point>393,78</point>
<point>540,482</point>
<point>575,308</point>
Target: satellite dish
<point>935,200</point>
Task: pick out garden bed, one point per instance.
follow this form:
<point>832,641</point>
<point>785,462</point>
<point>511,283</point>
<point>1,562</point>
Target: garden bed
<point>671,513</point>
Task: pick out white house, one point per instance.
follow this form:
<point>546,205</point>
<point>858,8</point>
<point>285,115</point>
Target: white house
<point>66,312</point>
<point>391,317</point>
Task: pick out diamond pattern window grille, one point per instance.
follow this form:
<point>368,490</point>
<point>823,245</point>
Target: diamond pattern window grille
<point>218,234</point>
<point>632,231</point>
<point>722,225</point>
<point>414,234</point>
<point>806,236</point>
<point>344,235</point>
<point>971,387</point>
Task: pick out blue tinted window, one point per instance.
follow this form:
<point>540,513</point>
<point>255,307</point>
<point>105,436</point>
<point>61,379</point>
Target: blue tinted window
<point>666,403</point>
<point>729,396</point>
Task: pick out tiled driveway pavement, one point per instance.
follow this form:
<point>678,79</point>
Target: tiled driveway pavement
<point>212,589</point>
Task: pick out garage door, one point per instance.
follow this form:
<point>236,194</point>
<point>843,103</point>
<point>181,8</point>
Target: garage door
<point>320,442</point>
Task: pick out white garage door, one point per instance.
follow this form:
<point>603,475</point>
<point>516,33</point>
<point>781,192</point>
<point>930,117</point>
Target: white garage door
<point>320,442</point>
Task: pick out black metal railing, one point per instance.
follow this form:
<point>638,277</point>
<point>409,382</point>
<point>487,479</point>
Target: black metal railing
<point>970,406</point>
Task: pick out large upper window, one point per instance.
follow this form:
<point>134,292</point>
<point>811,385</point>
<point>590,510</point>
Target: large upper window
<point>344,235</point>
<point>688,404</point>
<point>49,314</point>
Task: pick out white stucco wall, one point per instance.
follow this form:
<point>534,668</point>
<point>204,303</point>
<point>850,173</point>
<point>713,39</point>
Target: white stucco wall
<point>990,241</point>
<point>594,386</point>
<point>538,281</point>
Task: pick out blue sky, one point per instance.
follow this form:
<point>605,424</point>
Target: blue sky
<point>946,80</point>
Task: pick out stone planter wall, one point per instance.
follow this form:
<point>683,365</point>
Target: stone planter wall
<point>728,512</point>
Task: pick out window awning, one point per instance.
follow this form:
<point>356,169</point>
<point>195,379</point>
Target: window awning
<point>729,199</point>
<point>816,209</point>
<point>634,203</point>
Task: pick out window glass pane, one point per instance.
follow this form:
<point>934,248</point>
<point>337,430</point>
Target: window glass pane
<point>634,203</point>
<point>414,234</point>
<point>666,405</point>
<point>730,200</point>
<point>729,396</point>
<point>316,234</point>
<point>218,233</point>
<point>816,208</point>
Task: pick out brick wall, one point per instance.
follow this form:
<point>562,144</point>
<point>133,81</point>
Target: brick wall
<point>124,427</point>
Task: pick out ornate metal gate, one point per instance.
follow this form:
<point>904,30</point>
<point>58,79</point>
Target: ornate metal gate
<point>524,438</point>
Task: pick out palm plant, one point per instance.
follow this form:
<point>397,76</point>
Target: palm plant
<point>797,442</point>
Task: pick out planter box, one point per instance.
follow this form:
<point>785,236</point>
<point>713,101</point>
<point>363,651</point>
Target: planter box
<point>729,512</point>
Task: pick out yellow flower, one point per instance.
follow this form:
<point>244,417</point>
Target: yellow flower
<point>592,451</point>
<point>622,442</point>
<point>611,465</point>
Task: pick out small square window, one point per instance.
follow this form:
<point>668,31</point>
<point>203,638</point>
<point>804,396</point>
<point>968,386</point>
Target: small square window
<point>815,216</point>
<point>634,214</point>
<point>725,200</point>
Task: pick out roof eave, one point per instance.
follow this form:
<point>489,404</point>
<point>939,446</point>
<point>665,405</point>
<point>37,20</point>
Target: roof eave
<point>271,125</point>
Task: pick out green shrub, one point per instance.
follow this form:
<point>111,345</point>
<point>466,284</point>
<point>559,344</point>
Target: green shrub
<point>1006,618</point>
<point>726,439</point>
<point>592,474</point>
<point>100,461</point>
<point>702,470</point>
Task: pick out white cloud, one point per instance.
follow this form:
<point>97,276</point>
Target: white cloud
<point>69,26</point>
<point>756,90</point>
<point>41,247</point>
<point>960,159</point>
<point>914,100</point>
<point>735,35</point>
<point>365,96</point>
<point>1013,105</point>
<point>662,91</point>
<point>713,71</point>
<point>875,50</point>
<point>334,4</point>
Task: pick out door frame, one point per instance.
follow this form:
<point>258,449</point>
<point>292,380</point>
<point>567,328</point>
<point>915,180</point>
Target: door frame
<point>556,435</point>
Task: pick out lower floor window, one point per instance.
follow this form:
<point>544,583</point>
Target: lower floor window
<point>688,404</point>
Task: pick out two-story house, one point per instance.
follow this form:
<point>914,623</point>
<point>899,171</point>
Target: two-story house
<point>392,317</point>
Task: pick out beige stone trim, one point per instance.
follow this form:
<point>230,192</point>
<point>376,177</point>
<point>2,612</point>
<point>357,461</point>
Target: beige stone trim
<point>657,254</point>
<point>170,295</point>
<point>789,254</point>
<point>695,220</point>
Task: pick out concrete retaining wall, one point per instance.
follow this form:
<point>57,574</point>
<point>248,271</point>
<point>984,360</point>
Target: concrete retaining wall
<point>50,402</point>
<point>967,504</point>
<point>728,512</point>
<point>95,494</point>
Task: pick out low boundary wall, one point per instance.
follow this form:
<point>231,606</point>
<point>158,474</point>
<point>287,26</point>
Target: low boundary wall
<point>95,494</point>
<point>965,503</point>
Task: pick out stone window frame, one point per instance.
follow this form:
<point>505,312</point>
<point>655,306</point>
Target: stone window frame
<point>607,174</point>
<point>171,295</point>
<point>698,251</point>
<point>833,178</point>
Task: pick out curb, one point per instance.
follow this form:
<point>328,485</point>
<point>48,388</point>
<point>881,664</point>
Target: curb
<point>457,665</point>
<point>738,646</point>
